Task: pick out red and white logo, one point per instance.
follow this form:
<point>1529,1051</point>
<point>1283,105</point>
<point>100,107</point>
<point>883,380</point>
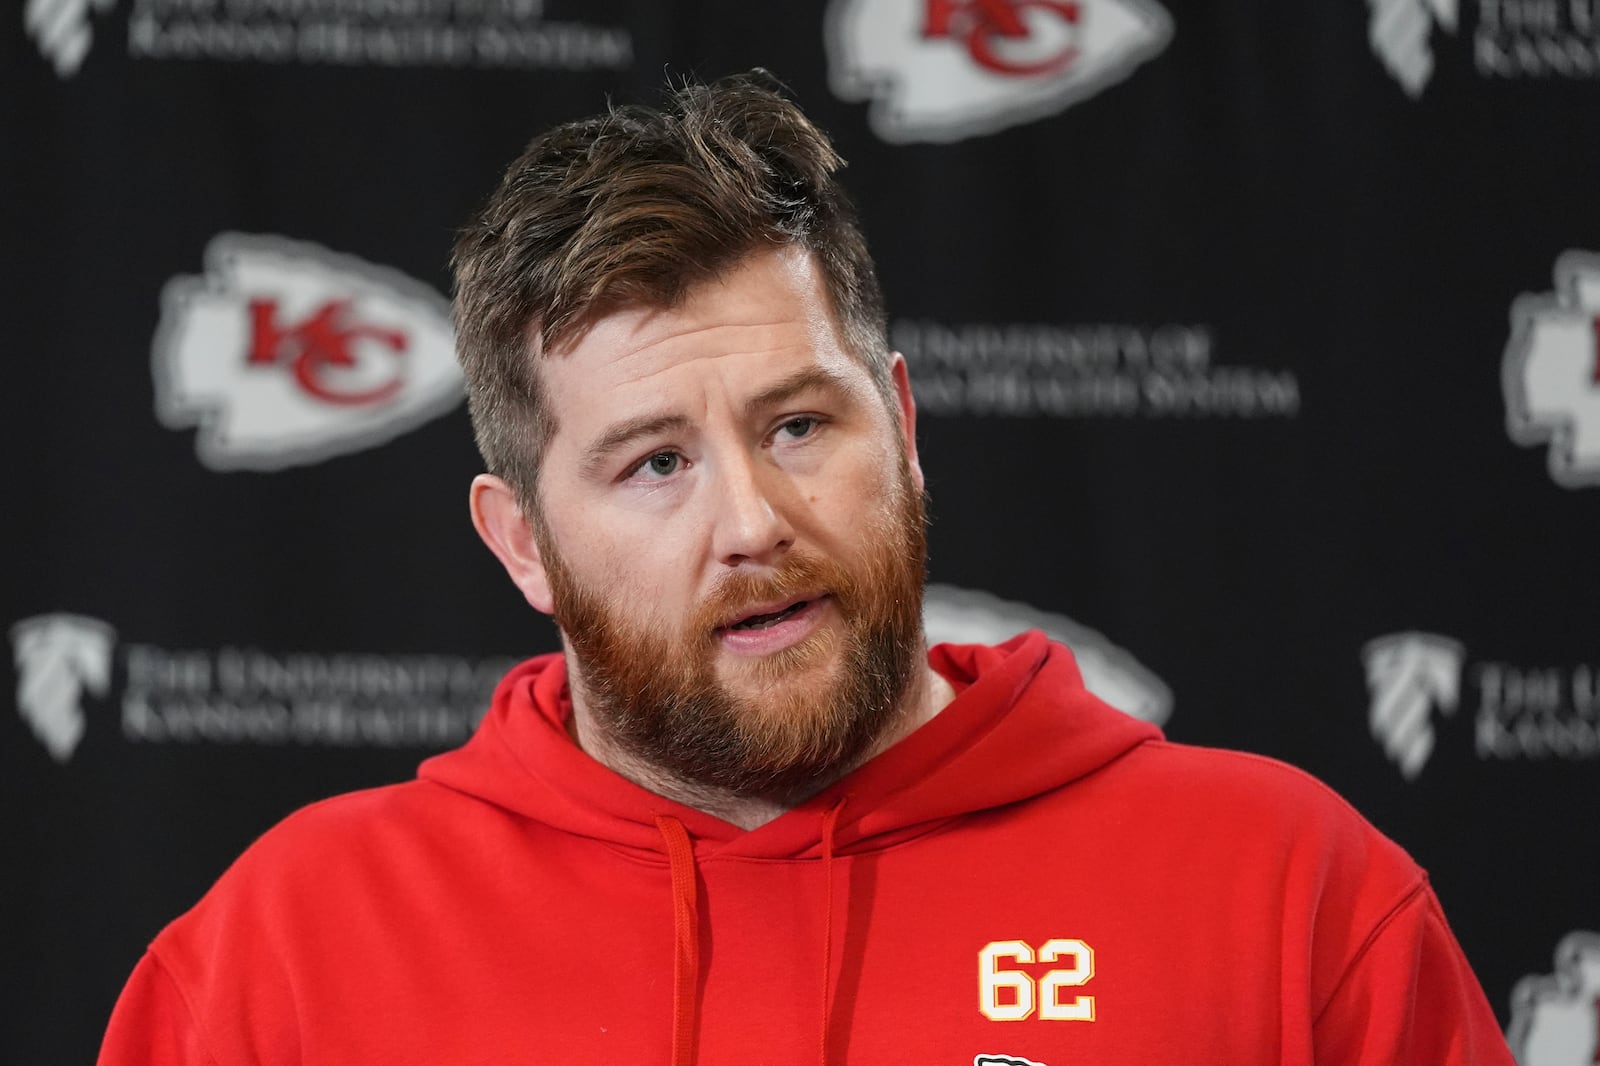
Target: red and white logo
<point>952,615</point>
<point>1551,370</point>
<point>58,656</point>
<point>943,70</point>
<point>1555,1018</point>
<point>285,354</point>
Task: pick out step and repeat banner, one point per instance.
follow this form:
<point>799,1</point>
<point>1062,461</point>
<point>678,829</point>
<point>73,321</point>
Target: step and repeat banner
<point>1257,349</point>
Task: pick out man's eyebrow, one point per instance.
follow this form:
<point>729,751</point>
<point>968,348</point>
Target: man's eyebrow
<point>624,433</point>
<point>812,377</point>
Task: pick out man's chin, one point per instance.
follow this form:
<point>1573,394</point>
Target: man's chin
<point>810,667</point>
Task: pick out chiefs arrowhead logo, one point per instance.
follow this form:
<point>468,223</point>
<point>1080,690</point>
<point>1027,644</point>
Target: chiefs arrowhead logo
<point>1551,371</point>
<point>952,615</point>
<point>285,354</point>
<point>942,70</point>
<point>1555,1018</point>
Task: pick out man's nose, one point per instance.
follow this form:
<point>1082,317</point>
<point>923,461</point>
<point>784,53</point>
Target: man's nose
<point>751,526</point>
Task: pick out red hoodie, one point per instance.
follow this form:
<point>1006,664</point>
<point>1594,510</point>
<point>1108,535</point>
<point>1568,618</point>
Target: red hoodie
<point>1030,877</point>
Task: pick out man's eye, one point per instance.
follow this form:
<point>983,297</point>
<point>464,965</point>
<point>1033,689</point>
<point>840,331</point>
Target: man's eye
<point>802,426</point>
<point>660,464</point>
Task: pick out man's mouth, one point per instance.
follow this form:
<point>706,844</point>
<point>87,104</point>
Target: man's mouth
<point>765,628</point>
<point>766,621</point>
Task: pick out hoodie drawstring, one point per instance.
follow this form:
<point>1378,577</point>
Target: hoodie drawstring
<point>685,937</point>
<point>686,931</point>
<point>829,820</point>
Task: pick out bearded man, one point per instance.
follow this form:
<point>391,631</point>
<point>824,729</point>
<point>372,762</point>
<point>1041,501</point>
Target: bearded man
<point>747,816</point>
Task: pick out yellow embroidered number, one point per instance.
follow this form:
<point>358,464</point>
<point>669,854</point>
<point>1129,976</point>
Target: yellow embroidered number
<point>1006,995</point>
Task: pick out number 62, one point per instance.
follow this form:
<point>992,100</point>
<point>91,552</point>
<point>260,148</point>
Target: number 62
<point>1026,996</point>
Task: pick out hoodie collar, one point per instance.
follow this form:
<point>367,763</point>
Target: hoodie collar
<point>1022,723</point>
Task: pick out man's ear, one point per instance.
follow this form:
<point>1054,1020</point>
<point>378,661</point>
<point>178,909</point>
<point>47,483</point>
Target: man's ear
<point>508,533</point>
<point>908,414</point>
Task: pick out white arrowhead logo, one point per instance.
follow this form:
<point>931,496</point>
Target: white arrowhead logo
<point>1409,675</point>
<point>1400,32</point>
<point>58,656</point>
<point>62,30</point>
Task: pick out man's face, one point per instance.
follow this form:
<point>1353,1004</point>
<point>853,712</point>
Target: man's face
<point>733,533</point>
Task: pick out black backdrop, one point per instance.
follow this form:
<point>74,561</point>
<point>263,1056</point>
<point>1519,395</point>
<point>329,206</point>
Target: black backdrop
<point>1255,344</point>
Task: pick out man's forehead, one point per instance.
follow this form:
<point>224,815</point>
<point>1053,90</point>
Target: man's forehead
<point>788,270</point>
<point>771,304</point>
<point>748,366</point>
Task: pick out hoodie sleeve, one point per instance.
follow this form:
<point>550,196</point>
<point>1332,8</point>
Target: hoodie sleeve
<point>152,1024</point>
<point>1409,998</point>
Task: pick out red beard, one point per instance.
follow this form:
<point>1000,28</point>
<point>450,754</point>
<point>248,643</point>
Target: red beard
<point>656,695</point>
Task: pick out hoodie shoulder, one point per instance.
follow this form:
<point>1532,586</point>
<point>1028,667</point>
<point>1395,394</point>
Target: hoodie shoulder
<point>1260,813</point>
<point>1224,780</point>
<point>342,828</point>
<point>324,862</point>
<point>1243,830</point>
<point>336,829</point>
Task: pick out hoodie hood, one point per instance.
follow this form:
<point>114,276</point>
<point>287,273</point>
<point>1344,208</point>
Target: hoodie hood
<point>1021,724</point>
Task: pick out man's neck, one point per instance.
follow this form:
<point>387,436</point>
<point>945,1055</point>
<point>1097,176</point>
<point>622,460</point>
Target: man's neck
<point>927,695</point>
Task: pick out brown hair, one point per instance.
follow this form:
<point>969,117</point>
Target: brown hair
<point>633,208</point>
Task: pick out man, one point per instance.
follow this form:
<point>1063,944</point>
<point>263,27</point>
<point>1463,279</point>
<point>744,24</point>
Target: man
<point>748,816</point>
